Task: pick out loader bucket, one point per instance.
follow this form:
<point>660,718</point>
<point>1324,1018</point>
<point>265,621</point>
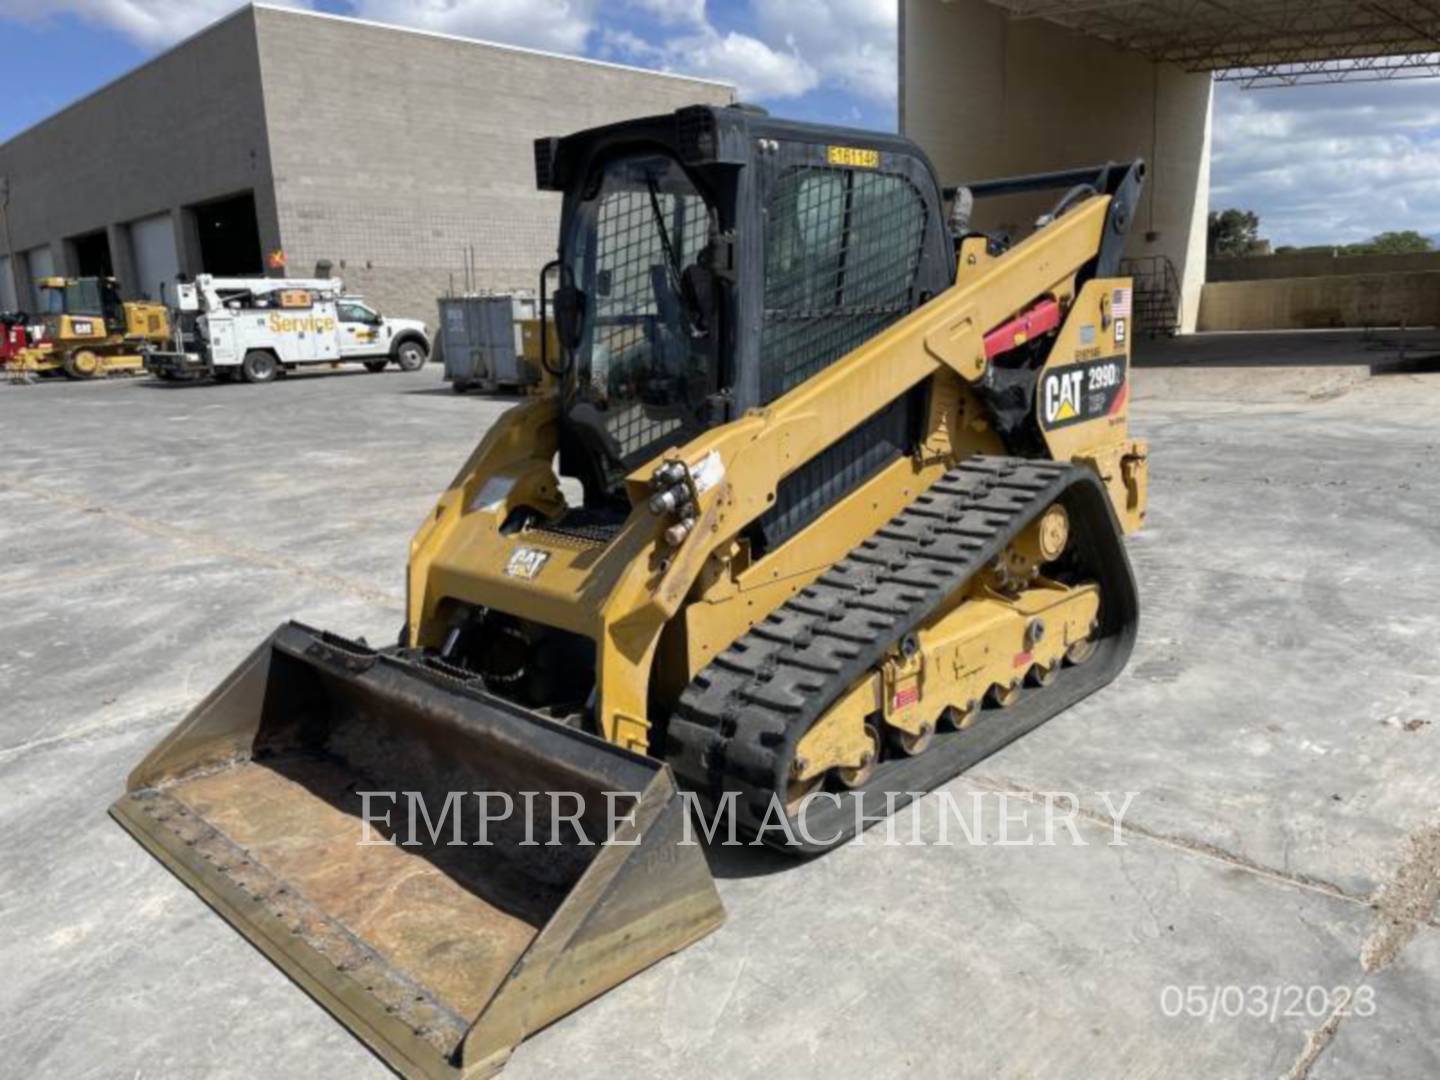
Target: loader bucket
<point>441,956</point>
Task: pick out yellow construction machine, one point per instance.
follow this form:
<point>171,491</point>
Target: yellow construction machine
<point>848,484</point>
<point>90,331</point>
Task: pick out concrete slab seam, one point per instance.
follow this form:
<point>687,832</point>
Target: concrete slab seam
<point>211,546</point>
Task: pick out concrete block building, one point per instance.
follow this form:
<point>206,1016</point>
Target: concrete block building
<point>393,154</point>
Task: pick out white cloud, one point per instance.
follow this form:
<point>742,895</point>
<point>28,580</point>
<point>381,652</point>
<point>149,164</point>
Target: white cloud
<point>784,49</point>
<point>670,12</point>
<point>1330,164</point>
<point>756,69</point>
<point>149,23</point>
<point>632,48</point>
<point>555,25</point>
<point>850,43</point>
<point>798,46</point>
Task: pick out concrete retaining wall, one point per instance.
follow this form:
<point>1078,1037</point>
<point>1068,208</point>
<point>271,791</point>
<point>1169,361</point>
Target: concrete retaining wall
<point>1313,303</point>
<point>1267,267</point>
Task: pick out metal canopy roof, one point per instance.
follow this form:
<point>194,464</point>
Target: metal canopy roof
<point>1262,42</point>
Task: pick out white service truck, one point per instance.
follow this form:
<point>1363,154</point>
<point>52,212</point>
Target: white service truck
<point>257,328</point>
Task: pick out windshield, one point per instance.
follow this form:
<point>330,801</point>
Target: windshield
<point>77,298</point>
<point>645,362</point>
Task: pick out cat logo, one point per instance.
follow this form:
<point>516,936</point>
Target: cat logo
<point>1087,390</point>
<point>525,563</point>
<point>1062,396</point>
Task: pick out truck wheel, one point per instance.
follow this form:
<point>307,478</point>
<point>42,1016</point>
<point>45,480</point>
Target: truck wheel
<point>81,364</point>
<point>410,356</point>
<point>259,367</point>
<point>376,365</point>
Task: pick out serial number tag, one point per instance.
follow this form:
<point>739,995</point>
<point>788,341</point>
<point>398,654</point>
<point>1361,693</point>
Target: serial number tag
<point>525,563</point>
<point>854,156</point>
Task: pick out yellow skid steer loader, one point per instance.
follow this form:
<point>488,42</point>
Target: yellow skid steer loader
<point>854,479</point>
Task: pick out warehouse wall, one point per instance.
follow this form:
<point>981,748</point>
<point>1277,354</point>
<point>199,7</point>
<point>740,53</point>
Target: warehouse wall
<point>183,128</point>
<point>395,151</point>
<point>987,96</point>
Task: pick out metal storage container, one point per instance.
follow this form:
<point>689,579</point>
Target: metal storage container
<point>480,340</point>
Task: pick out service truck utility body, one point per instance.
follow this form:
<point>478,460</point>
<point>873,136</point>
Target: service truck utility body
<point>255,327</point>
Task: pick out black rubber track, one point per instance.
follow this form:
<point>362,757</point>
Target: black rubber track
<point>737,725</point>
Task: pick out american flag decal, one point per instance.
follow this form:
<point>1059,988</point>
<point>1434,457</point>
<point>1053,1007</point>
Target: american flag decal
<point>1120,304</point>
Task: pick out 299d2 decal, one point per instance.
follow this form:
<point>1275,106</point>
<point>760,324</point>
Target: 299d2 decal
<point>1074,393</point>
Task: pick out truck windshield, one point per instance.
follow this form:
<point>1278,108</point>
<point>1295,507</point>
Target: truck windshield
<point>645,362</point>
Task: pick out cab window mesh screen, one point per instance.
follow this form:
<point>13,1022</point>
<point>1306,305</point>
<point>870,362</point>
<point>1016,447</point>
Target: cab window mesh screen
<point>842,251</point>
<point>640,361</point>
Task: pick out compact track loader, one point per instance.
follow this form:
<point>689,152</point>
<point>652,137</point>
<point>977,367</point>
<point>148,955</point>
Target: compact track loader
<point>852,487</point>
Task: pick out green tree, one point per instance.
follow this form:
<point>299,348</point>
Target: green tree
<point>1233,232</point>
<point>1408,242</point>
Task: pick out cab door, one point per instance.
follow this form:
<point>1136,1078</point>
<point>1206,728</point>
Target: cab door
<point>361,330</point>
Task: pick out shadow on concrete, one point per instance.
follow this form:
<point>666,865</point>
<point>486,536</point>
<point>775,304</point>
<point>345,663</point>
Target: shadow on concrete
<point>445,391</point>
<point>742,860</point>
<point>1408,365</point>
<point>1287,348</point>
<point>289,376</point>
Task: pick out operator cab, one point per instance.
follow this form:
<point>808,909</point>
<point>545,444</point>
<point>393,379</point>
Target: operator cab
<point>94,297</point>
<point>712,260</point>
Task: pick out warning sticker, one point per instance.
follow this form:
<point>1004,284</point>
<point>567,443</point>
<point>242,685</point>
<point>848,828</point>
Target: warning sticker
<point>707,472</point>
<point>904,698</point>
<point>1073,393</point>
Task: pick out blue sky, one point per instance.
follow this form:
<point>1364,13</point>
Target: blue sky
<point>1319,164</point>
<point>811,59</point>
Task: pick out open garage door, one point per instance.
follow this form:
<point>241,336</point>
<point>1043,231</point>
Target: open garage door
<point>92,255</point>
<point>229,236</point>
<point>152,243</point>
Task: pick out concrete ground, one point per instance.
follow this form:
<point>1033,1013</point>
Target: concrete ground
<point>1277,727</point>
